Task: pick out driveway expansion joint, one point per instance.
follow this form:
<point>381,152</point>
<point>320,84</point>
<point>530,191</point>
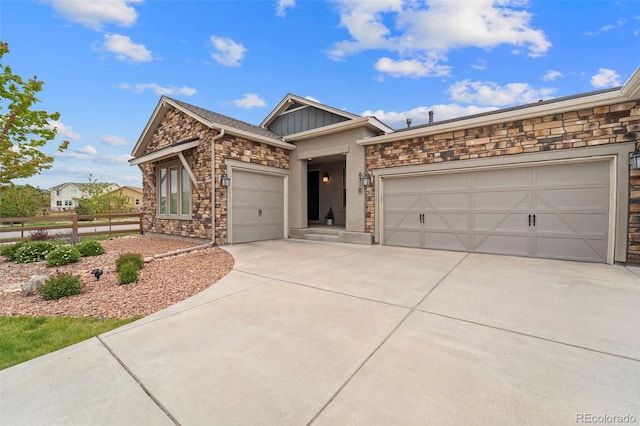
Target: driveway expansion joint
<point>139,382</point>
<point>545,339</point>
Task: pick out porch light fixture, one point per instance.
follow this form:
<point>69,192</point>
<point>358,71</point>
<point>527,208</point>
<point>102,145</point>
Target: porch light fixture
<point>225,180</point>
<point>635,159</point>
<point>325,177</point>
<point>365,180</point>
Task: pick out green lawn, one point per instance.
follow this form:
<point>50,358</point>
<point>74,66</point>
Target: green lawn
<point>24,338</point>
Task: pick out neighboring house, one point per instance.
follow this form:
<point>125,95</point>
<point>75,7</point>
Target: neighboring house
<point>132,193</point>
<point>63,196</point>
<point>550,179</point>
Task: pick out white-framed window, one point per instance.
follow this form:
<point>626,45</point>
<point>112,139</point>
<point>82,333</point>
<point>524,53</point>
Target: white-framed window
<point>174,191</point>
<point>137,201</point>
<point>58,192</point>
<point>68,203</point>
<point>58,203</point>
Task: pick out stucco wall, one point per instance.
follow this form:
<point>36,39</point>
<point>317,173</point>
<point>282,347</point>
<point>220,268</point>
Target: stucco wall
<point>611,124</point>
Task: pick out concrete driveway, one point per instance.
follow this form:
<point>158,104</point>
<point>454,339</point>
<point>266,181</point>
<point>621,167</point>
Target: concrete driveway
<point>304,332</point>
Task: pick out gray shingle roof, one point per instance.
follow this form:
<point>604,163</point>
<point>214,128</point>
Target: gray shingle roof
<point>499,111</point>
<point>214,117</point>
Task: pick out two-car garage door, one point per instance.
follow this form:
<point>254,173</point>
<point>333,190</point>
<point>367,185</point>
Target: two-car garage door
<point>257,206</point>
<point>553,211</point>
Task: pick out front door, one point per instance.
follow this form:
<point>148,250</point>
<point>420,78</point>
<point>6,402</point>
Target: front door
<point>313,195</point>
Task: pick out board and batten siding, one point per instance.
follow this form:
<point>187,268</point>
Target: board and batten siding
<point>303,119</point>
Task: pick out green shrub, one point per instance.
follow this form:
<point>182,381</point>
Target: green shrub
<point>134,258</point>
<point>61,285</point>
<point>128,273</point>
<point>90,248</point>
<point>9,250</point>
<point>62,255</point>
<point>33,251</point>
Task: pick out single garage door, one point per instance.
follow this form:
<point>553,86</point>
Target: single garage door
<point>257,207</point>
<point>556,211</point>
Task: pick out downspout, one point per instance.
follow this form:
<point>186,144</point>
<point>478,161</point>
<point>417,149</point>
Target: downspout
<point>214,182</point>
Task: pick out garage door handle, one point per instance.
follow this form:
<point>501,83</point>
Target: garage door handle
<point>529,220</point>
<point>421,217</point>
<point>260,212</point>
<point>534,220</point>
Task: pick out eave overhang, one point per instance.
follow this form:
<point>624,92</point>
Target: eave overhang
<point>630,91</point>
<point>168,152</point>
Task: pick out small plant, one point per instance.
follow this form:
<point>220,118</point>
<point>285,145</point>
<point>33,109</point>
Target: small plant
<point>62,255</point>
<point>33,251</point>
<point>39,235</point>
<point>134,258</point>
<point>128,273</point>
<point>90,248</point>
<point>9,251</point>
<point>61,285</point>
<point>330,214</point>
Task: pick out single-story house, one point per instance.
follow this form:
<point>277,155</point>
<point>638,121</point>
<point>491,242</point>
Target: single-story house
<point>550,179</point>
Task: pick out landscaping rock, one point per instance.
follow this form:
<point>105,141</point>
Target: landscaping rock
<point>34,284</point>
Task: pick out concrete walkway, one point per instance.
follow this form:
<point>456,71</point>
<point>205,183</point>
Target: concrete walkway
<point>303,332</point>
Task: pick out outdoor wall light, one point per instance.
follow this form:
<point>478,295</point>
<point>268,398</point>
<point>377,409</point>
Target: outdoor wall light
<point>225,180</point>
<point>365,180</point>
<point>635,159</point>
<point>325,177</point>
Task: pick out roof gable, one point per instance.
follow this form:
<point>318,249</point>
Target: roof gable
<point>208,118</point>
<point>292,103</point>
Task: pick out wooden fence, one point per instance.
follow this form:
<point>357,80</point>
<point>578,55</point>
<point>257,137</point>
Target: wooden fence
<point>70,226</point>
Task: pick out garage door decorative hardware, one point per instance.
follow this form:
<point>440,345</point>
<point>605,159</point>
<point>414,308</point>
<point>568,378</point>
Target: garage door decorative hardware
<point>534,220</point>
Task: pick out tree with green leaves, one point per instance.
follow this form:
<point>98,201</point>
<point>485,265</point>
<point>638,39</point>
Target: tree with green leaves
<point>97,199</point>
<point>23,130</point>
<point>22,201</point>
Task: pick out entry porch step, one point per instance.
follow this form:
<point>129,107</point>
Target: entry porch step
<point>331,234</point>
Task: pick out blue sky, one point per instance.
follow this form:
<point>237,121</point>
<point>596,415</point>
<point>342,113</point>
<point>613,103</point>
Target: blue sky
<point>105,63</point>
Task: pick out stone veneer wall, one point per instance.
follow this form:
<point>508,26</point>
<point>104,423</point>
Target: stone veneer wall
<point>594,126</point>
<point>177,126</point>
<point>239,149</point>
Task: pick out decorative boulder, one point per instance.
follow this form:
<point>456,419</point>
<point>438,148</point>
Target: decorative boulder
<point>34,284</point>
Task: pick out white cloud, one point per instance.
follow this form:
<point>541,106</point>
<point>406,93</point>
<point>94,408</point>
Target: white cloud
<point>159,90</point>
<point>283,5</point>
<point>100,159</point>
<point>63,130</point>
<point>96,13</point>
<point>619,23</point>
<point>250,100</point>
<point>426,31</point>
<point>113,140</point>
<point>480,65</point>
<point>552,75</point>
<point>125,49</point>
<point>606,78</point>
<point>87,149</point>
<point>490,93</point>
<point>227,52</point>
<point>311,98</point>
<point>411,68</point>
<point>420,115</point>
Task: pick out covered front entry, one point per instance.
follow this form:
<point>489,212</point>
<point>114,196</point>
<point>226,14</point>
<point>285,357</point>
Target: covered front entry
<point>559,211</point>
<point>257,206</point>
